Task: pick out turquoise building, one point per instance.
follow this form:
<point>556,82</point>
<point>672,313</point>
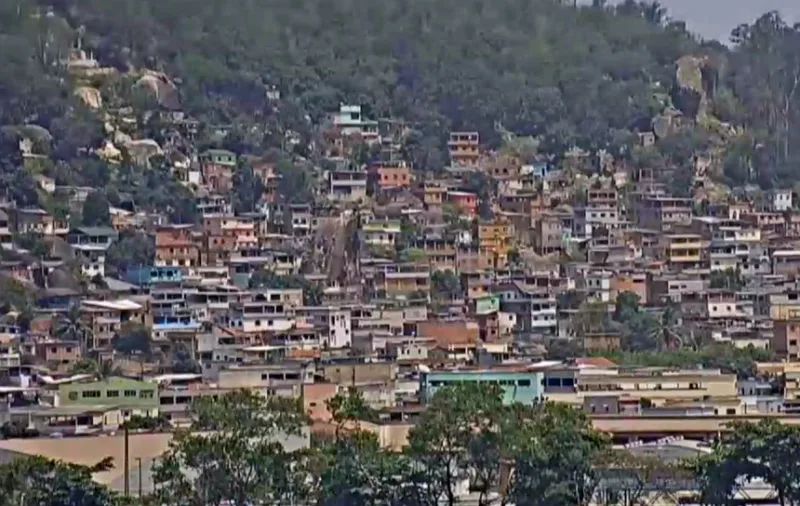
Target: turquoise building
<point>524,387</point>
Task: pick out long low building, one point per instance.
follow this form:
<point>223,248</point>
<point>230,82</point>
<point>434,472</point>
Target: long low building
<point>144,448</point>
<point>621,428</point>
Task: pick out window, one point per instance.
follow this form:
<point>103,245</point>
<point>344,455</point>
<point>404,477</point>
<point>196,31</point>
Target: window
<point>112,393</point>
<point>73,396</point>
<point>130,393</point>
<point>145,394</point>
<point>524,383</point>
<point>91,394</point>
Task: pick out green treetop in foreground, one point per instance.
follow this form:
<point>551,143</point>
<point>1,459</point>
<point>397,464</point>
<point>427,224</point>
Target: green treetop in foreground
<point>544,455</point>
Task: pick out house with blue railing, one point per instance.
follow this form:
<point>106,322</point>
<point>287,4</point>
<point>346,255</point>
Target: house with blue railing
<point>154,275</point>
<point>165,323</point>
<point>518,385</point>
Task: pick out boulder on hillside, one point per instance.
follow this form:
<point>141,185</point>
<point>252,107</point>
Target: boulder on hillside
<point>89,96</point>
<point>163,88</point>
<point>142,150</point>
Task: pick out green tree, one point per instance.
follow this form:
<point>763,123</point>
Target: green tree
<point>295,184</point>
<point>240,460</point>
<point>555,464</point>
<point>350,408</point>
<point>626,306</point>
<point>39,481</point>
<point>748,451</point>
<point>446,285</point>
<point>729,279</point>
<point>452,436</point>
<point>132,338</point>
<point>247,189</point>
<point>356,471</point>
<point>132,249</point>
<point>71,327</point>
<point>95,210</point>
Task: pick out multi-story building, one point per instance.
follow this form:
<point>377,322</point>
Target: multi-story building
<point>90,245</point>
<point>663,213</point>
<point>465,202</point>
<point>333,325</point>
<point>486,311</point>
<point>432,194</point>
<point>464,148</point>
<point>177,246</point>
<point>494,239</point>
<point>105,318</point>
<point>260,316</point>
<point>350,121</point>
<point>134,397</point>
<point>402,280</point>
<point>535,308</point>
<point>658,386</point>
<point>684,251</point>
<point>381,233</point>
<point>347,185</point>
<point>440,252</point>
<point>217,167</point>
<point>550,232</point>
<point>786,262</point>
<point>590,220</point>
<point>389,175</point>
<point>786,339</point>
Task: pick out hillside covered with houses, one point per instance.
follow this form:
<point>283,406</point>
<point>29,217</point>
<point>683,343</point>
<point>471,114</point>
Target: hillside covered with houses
<point>322,253</point>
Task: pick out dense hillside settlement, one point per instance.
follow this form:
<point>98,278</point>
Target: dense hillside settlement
<point>410,253</point>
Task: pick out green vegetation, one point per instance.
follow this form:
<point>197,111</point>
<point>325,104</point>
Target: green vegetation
<point>555,457</point>
<point>560,76</point>
<point>720,356</point>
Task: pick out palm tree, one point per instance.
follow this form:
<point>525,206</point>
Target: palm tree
<point>668,324</point>
<point>72,328</point>
<point>101,369</point>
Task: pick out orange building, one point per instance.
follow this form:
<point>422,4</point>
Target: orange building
<point>630,281</point>
<point>464,148</point>
<point>389,176</point>
<point>176,245</point>
<point>465,202</point>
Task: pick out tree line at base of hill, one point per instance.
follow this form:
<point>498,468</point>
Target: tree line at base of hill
<point>542,455</point>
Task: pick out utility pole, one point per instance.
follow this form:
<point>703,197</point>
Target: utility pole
<point>127,464</point>
<point>139,462</point>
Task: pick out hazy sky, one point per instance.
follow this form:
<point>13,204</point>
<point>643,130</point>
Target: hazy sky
<point>716,18</point>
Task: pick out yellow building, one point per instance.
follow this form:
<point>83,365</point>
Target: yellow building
<point>657,385</point>
<point>684,250</point>
<point>495,239</point>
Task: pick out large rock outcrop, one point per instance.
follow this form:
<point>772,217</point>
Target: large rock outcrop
<point>162,87</point>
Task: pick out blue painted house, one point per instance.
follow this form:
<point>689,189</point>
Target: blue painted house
<point>524,387</point>
<point>148,276</point>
